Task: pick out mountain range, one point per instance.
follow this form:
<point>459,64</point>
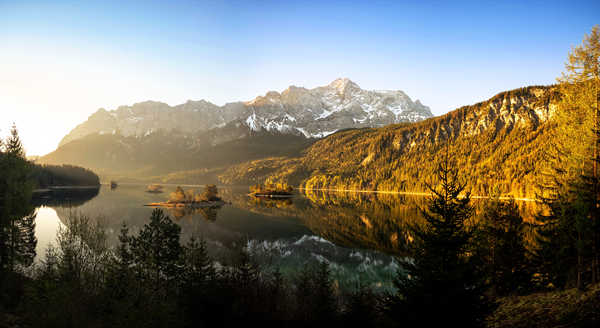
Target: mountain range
<point>150,139</point>
<point>312,113</point>
<point>333,137</point>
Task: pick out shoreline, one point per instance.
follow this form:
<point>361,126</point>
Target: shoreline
<point>270,196</point>
<point>51,188</point>
<point>412,193</point>
<point>417,193</point>
<point>193,205</point>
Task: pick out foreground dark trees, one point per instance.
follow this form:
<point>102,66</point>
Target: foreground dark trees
<point>18,178</point>
<point>441,274</point>
<point>17,225</point>
<point>152,280</point>
<point>501,250</point>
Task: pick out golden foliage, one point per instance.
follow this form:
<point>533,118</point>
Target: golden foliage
<point>190,196</point>
<point>498,143</point>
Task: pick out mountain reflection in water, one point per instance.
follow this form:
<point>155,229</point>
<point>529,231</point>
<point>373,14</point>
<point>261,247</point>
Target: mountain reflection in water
<point>358,234</point>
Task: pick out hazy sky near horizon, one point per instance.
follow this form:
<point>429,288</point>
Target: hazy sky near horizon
<point>62,60</point>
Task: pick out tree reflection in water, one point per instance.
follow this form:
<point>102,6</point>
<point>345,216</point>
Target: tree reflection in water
<point>208,213</point>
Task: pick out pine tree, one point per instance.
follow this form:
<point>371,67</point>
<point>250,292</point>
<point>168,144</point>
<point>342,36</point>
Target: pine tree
<point>14,146</point>
<point>575,180</point>
<point>246,279</point>
<point>501,248</point>
<point>157,252</point>
<point>199,268</point>
<point>556,254</point>
<point>4,224</point>
<point>277,295</point>
<point>441,285</point>
<point>199,280</point>
<point>324,294</point>
<point>27,240</point>
<point>120,279</point>
<point>17,225</point>
<point>314,295</point>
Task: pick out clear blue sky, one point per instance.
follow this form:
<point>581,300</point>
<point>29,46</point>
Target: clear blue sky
<point>60,61</point>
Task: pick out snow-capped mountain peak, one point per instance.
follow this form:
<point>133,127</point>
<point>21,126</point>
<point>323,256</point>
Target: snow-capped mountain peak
<point>313,112</point>
<point>344,85</point>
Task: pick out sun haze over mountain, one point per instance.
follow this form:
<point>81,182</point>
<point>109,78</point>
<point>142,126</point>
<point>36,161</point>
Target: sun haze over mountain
<point>61,62</point>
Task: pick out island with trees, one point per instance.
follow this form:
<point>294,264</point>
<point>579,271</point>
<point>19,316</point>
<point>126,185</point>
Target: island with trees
<point>190,198</point>
<point>271,190</point>
<point>154,188</point>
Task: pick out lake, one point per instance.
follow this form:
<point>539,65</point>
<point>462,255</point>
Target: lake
<point>358,234</point>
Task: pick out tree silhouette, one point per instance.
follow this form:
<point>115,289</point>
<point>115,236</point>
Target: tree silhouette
<point>440,284</point>
<point>17,215</point>
<point>157,251</point>
<point>501,248</point>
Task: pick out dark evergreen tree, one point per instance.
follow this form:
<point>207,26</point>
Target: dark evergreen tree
<point>246,284</point>
<point>27,240</point>
<point>277,296</point>
<point>17,216</point>
<point>303,294</point>
<point>501,249</point>
<point>440,285</point>
<point>325,302</point>
<point>157,252</point>
<point>199,269</point>
<point>120,278</point>
<point>362,308</point>
<point>13,145</point>
<point>198,282</point>
<point>563,238</point>
<point>315,295</point>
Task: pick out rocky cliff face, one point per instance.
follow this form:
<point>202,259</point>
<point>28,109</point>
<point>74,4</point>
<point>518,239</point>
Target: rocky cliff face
<point>312,113</point>
<point>525,107</point>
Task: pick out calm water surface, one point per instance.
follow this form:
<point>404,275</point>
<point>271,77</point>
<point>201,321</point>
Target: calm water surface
<point>358,234</point>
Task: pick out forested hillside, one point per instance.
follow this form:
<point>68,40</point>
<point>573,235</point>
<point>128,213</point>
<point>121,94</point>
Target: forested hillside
<point>62,175</point>
<point>497,143</point>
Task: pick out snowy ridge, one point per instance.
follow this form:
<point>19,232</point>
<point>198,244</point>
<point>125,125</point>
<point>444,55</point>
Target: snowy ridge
<point>312,113</point>
<point>324,110</point>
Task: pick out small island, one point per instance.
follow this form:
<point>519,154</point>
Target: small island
<point>189,198</point>
<point>269,190</point>
<point>154,188</point>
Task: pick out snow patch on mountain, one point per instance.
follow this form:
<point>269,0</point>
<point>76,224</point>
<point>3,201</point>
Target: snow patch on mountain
<point>251,122</point>
<point>325,114</point>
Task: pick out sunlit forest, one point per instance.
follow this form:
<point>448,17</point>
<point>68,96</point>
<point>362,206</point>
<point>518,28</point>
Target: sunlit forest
<point>505,159</point>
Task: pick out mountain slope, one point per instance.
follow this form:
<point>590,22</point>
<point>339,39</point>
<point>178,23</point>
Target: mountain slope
<point>495,144</point>
<point>310,112</point>
<point>160,152</point>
